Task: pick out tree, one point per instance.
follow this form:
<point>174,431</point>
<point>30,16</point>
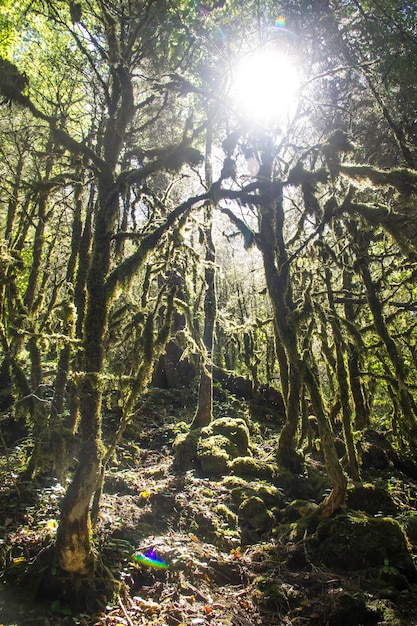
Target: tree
<point>204,411</point>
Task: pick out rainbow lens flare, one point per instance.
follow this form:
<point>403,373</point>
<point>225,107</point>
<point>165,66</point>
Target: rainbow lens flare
<point>280,22</point>
<point>150,559</point>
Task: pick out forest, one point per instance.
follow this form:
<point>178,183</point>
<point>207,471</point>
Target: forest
<point>208,297</point>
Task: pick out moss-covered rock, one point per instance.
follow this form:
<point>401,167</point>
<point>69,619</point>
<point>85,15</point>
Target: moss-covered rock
<point>215,443</point>
<point>227,515</point>
<point>408,521</point>
<point>248,466</point>
<point>214,446</point>
<point>370,499</point>
<point>235,430</point>
<point>185,449</point>
<point>358,542</point>
<point>254,511</point>
<point>348,609</point>
<point>242,490</point>
<point>213,454</point>
<point>298,509</point>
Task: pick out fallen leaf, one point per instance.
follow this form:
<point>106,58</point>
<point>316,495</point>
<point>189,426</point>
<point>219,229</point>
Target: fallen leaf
<point>52,524</point>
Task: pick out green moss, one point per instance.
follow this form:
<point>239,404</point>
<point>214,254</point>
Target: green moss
<point>254,511</point>
<point>408,521</point>
<point>214,445</point>
<point>213,454</point>
<point>357,542</point>
<point>227,515</point>
<point>185,449</point>
<point>248,466</point>
<point>242,490</point>
<point>233,429</point>
<point>214,463</point>
<point>180,427</point>
<point>270,594</point>
<point>298,509</point>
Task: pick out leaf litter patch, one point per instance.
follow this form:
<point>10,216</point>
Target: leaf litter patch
<point>200,584</point>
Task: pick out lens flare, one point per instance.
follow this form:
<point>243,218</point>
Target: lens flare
<point>150,559</point>
<point>265,86</point>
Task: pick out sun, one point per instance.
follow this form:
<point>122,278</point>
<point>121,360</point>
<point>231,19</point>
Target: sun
<point>265,86</point>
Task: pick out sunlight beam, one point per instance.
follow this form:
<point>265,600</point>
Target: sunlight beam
<point>265,87</point>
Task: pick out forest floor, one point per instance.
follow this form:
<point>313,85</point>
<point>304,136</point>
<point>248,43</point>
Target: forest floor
<point>216,566</point>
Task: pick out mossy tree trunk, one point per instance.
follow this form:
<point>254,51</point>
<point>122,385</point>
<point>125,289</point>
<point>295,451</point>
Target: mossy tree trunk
<point>74,545</point>
<point>338,479</point>
<point>288,319</point>
<point>298,371</point>
<point>278,280</point>
<point>33,298</point>
<point>354,358</point>
<point>204,412</point>
<point>74,542</point>
<point>343,382</point>
<point>406,401</point>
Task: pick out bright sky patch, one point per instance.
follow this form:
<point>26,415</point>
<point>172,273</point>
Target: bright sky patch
<point>265,87</point>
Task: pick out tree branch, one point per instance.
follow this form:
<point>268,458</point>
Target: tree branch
<point>126,270</point>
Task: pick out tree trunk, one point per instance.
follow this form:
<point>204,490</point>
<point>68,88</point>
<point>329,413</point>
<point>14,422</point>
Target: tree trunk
<point>278,280</point>
<point>406,401</point>
<point>338,479</point>
<point>204,412</point>
<point>74,539</point>
<point>354,359</point>
<point>342,379</point>
<point>74,542</point>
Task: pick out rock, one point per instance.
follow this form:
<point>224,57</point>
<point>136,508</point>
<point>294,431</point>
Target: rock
<point>374,457</point>
<point>242,490</point>
<point>371,500</point>
<point>227,515</point>
<point>359,542</point>
<point>298,509</point>
<point>214,453</point>
<point>235,430</point>
<point>248,466</point>
<point>273,396</point>
<point>239,386</point>
<point>214,446</point>
<point>185,449</point>
<point>254,511</point>
<point>348,609</point>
